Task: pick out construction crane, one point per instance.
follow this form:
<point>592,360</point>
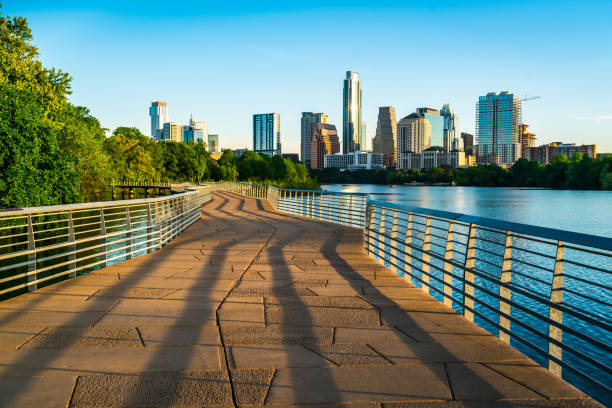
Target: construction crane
<point>529,98</point>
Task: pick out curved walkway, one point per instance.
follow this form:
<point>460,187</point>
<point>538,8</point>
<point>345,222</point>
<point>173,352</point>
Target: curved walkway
<point>252,307</point>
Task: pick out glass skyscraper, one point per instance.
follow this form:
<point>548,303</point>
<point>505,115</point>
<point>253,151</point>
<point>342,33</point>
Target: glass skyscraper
<point>309,121</point>
<point>498,120</point>
<point>451,133</point>
<point>266,133</point>
<point>159,115</point>
<point>351,114</point>
<point>437,125</point>
<point>213,143</point>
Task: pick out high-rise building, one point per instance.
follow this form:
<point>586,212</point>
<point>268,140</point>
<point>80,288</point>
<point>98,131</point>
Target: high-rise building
<point>324,141</point>
<point>526,139</point>
<point>413,136</point>
<point>498,120</point>
<point>385,140</point>
<point>351,114</point>
<point>266,133</point>
<point>196,131</point>
<point>172,131</point>
<point>363,131</point>
<point>309,120</point>
<point>468,143</point>
<point>159,115</point>
<point>450,131</point>
<point>437,125</point>
<point>213,143</point>
<point>433,157</point>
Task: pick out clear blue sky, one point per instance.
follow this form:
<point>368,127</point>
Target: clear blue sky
<point>224,61</point>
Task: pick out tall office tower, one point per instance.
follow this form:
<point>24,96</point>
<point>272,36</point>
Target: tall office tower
<point>468,143</point>
<point>413,136</point>
<point>324,141</point>
<point>363,130</point>
<point>266,133</point>
<point>498,119</point>
<point>386,135</point>
<point>351,113</point>
<point>172,131</point>
<point>213,143</point>
<point>437,125</point>
<point>309,120</point>
<point>526,138</point>
<point>196,131</point>
<point>159,115</point>
<point>450,130</point>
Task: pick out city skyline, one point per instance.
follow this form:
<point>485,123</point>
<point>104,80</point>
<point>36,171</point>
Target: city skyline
<point>566,68</point>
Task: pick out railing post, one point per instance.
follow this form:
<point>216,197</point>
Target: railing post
<point>407,247</point>
<point>311,205</point>
<point>448,266</point>
<point>71,248</point>
<point>425,257</point>
<point>329,206</point>
<point>505,293</point>
<point>103,240</point>
<point>350,209</point>
<point>32,276</point>
<point>556,315</point>
<point>320,208</point>
<point>149,229</point>
<point>370,223</point>
<point>468,266</point>
<point>381,231</point>
<point>128,233</point>
<point>393,250</point>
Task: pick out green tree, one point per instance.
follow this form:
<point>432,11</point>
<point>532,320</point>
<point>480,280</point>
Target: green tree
<point>34,170</point>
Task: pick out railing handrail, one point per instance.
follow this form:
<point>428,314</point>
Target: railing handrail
<point>94,204</point>
<point>577,238</point>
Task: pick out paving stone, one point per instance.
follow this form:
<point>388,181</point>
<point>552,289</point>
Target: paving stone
<point>179,335</point>
<point>357,384</point>
<point>322,316</point>
<point>346,303</point>
<point>370,335</point>
<point>52,392</point>
<point>188,389</point>
<point>276,334</point>
<point>275,356</point>
<point>474,381</point>
<point>349,354</point>
<point>72,361</point>
<point>515,403</point>
<point>142,293</point>
<point>160,318</point>
<point>410,353</point>
<point>13,337</point>
<point>44,318</point>
<point>290,292</point>
<point>251,386</point>
<point>84,337</point>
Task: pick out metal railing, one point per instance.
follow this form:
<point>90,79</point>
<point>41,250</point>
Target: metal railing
<point>40,246</point>
<point>546,292</point>
<point>143,184</point>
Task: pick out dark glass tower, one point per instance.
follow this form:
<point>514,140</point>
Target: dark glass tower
<point>351,114</point>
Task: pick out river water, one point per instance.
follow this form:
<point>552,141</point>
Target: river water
<point>588,212</point>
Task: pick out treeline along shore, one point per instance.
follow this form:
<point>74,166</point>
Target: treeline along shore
<point>579,172</point>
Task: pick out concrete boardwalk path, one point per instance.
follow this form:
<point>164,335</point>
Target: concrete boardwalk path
<point>251,307</point>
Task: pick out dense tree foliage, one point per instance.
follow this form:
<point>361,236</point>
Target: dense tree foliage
<point>580,172</point>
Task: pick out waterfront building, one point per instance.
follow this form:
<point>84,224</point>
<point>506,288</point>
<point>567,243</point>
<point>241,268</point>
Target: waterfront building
<point>385,140</point>
<point>526,139</point>
<point>172,131</point>
<point>354,161</point>
<point>351,113</point>
<point>435,157</point>
<point>195,131</point>
<point>450,130</point>
<point>213,143</point>
<point>436,123</point>
<point>545,153</point>
<point>324,141</point>
<point>308,122</point>
<point>498,119</point>
<point>158,111</point>
<point>413,136</point>
<point>266,133</point>
<point>468,143</point>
